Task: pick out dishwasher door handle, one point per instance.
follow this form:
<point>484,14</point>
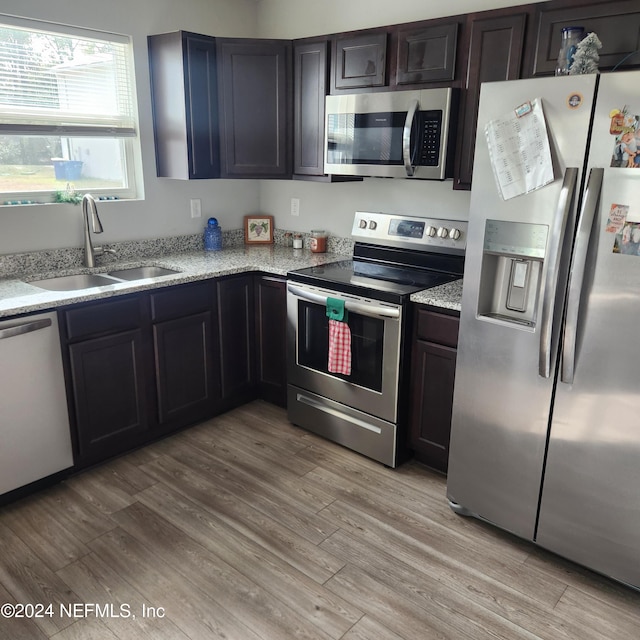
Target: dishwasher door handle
<point>24,327</point>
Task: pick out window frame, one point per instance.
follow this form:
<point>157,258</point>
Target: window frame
<point>131,144</point>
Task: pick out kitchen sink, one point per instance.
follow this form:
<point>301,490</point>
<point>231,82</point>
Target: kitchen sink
<point>73,283</point>
<point>89,280</point>
<point>140,273</point>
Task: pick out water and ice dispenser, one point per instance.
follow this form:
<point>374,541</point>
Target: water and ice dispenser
<point>511,277</point>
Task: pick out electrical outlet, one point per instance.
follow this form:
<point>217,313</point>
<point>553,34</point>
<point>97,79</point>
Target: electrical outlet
<point>196,208</point>
<point>295,206</point>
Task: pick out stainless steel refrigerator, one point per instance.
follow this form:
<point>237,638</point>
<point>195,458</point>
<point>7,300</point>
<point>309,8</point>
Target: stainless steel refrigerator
<point>545,438</point>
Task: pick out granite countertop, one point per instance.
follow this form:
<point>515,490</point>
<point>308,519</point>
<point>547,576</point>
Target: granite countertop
<point>17,296</point>
<point>446,296</point>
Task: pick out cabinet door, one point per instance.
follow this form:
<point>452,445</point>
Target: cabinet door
<point>616,23</point>
<point>495,53</point>
<point>271,328</point>
<point>109,389</point>
<point>236,340</point>
<point>255,107</point>
<point>425,54</point>
<point>185,105</point>
<point>201,88</point>
<point>432,379</point>
<point>359,61</point>
<point>185,377</point>
<point>309,91</point>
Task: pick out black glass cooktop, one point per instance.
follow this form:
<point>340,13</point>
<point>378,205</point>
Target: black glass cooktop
<point>384,282</point>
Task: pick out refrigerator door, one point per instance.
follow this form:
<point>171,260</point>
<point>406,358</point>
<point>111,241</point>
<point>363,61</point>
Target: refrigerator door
<point>590,508</point>
<point>501,400</point>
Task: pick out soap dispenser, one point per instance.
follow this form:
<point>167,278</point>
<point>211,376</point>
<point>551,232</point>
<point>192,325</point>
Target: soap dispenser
<point>212,236</point>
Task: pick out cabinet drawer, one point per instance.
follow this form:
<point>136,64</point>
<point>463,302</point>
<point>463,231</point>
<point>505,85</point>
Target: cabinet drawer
<point>184,300</point>
<point>437,327</point>
<point>103,318</point>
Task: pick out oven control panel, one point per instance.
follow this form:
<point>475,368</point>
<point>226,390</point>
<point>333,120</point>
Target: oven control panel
<point>428,234</point>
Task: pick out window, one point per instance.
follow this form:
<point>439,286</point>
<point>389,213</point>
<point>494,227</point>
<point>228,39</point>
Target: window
<point>67,113</point>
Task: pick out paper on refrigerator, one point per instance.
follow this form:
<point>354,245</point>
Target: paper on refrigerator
<point>519,150</point>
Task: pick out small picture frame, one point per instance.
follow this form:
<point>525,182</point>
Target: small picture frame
<point>258,229</point>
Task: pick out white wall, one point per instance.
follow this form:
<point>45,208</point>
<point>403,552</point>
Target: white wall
<point>331,206</point>
<point>165,209</point>
<point>302,18</point>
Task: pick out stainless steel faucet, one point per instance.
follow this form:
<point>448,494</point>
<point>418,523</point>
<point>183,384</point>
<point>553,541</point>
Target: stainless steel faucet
<point>90,252</point>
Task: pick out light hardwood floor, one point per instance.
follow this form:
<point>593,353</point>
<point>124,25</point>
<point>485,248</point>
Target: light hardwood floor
<point>248,528</point>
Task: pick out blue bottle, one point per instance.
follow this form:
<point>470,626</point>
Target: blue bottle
<point>212,236</point>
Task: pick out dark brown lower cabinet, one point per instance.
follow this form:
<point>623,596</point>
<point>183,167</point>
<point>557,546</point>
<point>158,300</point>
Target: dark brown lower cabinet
<point>271,329</point>
<point>143,365</point>
<point>185,378</point>
<point>185,354</point>
<point>433,364</point>
<point>109,388</point>
<point>236,340</point>
<point>107,368</point>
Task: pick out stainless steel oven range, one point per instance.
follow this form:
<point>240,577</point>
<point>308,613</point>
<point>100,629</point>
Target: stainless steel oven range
<point>394,256</point>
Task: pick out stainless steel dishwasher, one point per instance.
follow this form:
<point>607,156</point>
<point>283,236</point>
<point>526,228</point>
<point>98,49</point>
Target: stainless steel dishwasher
<point>35,439</point>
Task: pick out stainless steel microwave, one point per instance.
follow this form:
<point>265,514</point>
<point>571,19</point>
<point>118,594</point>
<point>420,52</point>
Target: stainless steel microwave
<point>398,134</point>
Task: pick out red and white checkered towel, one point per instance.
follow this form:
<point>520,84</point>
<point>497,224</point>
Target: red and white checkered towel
<point>339,348</point>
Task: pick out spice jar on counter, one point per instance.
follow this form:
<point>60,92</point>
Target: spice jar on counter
<point>318,241</point>
<point>288,239</point>
<point>297,241</point>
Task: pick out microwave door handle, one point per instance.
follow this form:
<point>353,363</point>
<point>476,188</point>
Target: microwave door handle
<point>406,138</point>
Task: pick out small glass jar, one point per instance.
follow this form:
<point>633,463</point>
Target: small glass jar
<point>571,36</point>
<point>318,242</point>
<point>212,236</point>
<point>288,239</point>
<point>297,241</point>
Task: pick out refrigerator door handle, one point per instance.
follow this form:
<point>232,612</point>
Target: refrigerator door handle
<point>583,236</point>
<point>556,242</point>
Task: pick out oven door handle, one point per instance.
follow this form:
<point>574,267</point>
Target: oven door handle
<point>357,307</point>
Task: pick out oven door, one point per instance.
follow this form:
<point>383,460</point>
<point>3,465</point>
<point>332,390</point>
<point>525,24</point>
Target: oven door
<point>375,328</point>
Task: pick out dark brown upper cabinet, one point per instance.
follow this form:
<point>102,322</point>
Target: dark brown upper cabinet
<point>425,52</point>
<point>617,24</point>
<point>359,60</point>
<point>182,68</point>
<point>310,88</point>
<point>310,80</point>
<point>496,43</point>
<point>255,107</point>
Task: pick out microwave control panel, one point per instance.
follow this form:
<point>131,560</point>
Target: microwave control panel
<point>430,123</point>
